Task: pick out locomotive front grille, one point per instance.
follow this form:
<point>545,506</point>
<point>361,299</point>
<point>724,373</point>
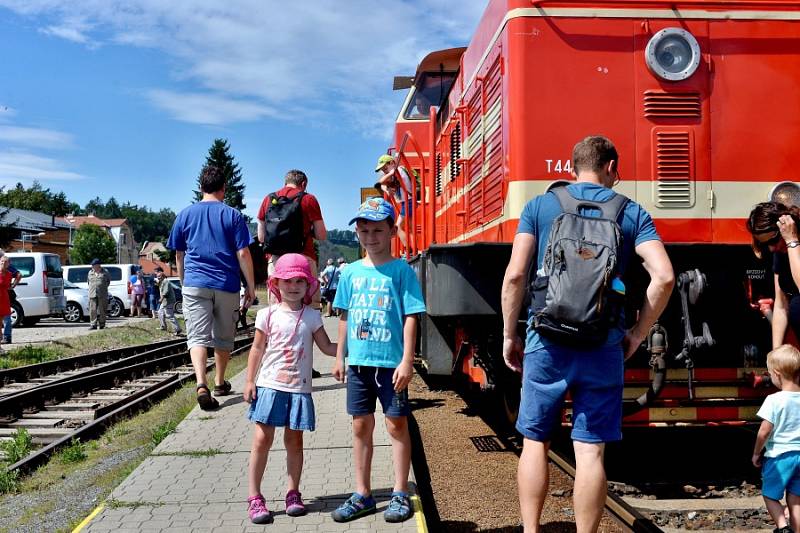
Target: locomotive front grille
<point>658,104</point>
<point>673,168</point>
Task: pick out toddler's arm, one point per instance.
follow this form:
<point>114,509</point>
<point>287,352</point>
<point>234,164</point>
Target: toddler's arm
<point>761,439</point>
<point>341,348</point>
<point>253,362</point>
<point>324,342</point>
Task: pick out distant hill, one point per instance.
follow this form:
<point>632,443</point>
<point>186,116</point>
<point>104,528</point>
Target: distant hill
<point>336,249</point>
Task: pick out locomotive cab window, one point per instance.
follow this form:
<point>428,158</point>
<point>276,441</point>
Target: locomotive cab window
<point>430,90</point>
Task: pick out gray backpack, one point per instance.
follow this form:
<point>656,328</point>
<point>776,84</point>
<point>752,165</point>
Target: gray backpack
<point>572,298</point>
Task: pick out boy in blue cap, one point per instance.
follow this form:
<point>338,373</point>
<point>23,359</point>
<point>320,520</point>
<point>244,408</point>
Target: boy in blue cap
<point>379,297</point>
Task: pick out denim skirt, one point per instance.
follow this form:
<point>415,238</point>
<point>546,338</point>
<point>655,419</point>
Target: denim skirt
<point>294,410</point>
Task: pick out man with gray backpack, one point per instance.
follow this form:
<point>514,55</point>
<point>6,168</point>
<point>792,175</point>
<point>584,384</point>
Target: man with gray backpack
<point>573,244</point>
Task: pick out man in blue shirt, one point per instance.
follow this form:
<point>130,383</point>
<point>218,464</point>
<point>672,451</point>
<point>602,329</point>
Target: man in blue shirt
<point>211,243</point>
<point>593,377</point>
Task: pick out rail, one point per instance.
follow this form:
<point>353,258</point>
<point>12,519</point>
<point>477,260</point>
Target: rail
<point>411,246</point>
<point>615,505</point>
<point>104,415</point>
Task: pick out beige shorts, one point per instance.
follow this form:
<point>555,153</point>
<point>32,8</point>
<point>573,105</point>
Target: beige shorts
<point>211,316</point>
<point>316,298</point>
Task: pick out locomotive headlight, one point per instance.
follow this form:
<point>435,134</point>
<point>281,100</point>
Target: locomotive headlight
<point>673,54</point>
<point>785,192</point>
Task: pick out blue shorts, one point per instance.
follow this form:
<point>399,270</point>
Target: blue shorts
<point>365,384</point>
<point>294,410</point>
<point>403,207</point>
<point>781,474</point>
<point>594,380</point>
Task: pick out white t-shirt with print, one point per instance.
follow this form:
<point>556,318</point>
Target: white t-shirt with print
<point>288,358</point>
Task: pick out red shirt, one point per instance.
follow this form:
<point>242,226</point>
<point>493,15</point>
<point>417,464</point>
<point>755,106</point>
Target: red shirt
<point>311,213</point>
<point>5,300</point>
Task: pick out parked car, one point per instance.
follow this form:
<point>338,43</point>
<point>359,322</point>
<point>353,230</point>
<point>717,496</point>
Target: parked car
<point>77,308</point>
<point>178,288</point>
<point>40,292</point>
<point>120,287</point>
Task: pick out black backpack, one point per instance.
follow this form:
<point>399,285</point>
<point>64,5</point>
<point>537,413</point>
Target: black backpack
<point>284,229</point>
<point>573,301</point>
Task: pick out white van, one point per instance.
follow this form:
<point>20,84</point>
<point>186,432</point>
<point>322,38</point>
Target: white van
<point>40,292</point>
<point>120,287</point>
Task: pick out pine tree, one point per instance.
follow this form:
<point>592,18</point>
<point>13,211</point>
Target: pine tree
<point>219,156</point>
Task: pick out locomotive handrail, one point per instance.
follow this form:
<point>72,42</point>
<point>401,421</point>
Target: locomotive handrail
<point>411,196</point>
<point>673,3</point>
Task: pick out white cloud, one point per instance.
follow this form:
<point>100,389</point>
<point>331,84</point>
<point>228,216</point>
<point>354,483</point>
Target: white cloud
<point>26,167</point>
<point>66,32</point>
<point>313,58</point>
<point>207,108</point>
<point>38,137</point>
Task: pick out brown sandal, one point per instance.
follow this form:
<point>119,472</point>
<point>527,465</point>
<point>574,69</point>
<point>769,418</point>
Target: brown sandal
<point>222,390</point>
<point>204,399</point>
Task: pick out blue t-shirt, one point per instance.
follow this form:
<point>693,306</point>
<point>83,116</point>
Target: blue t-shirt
<point>537,217</point>
<point>377,299</point>
<point>333,273</point>
<point>210,234</point>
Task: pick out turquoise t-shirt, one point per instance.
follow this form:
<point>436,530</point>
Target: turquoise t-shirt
<point>377,299</point>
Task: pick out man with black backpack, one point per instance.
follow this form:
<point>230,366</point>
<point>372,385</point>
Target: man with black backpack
<point>576,242</point>
<point>289,220</point>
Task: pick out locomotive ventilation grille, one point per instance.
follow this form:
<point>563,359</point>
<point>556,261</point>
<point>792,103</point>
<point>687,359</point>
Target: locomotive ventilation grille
<point>675,185</point>
<point>455,151</point>
<point>438,174</point>
<point>659,104</point>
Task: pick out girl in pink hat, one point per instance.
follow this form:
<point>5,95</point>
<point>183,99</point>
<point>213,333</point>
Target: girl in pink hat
<point>278,386</point>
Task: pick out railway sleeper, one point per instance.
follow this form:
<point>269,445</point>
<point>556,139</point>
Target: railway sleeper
<point>37,423</point>
<point>39,435</point>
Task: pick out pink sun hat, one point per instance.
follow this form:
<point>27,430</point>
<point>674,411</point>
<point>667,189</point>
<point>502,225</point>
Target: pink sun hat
<point>291,266</point>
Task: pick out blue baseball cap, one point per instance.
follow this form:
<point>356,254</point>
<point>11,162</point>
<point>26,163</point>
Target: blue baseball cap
<point>95,261</point>
<point>375,209</point>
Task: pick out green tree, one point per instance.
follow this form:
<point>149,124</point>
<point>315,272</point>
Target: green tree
<point>37,198</point>
<point>219,156</point>
<point>92,241</point>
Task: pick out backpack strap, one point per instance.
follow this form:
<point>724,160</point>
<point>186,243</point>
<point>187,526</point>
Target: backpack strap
<point>611,209</point>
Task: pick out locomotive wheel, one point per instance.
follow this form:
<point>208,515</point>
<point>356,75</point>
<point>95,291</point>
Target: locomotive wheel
<point>508,396</point>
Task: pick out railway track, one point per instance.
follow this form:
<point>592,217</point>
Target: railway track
<point>59,406</point>
<point>624,513</point>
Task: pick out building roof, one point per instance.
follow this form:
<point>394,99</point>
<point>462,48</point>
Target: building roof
<point>24,219</point>
<point>150,247</point>
<point>148,266</point>
<point>97,221</point>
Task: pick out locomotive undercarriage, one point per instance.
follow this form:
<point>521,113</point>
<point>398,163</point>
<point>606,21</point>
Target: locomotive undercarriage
<point>704,370</point>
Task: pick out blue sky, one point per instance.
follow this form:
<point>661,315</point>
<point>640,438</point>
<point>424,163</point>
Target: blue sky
<point>124,97</point>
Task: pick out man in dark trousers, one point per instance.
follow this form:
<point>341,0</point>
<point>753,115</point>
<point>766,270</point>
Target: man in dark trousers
<point>98,280</point>
<point>551,367</point>
<point>211,242</point>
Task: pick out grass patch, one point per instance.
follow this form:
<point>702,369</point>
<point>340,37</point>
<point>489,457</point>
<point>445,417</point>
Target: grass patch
<point>209,452</point>
<point>9,481</point>
<point>74,453</point>
<point>116,504</point>
<point>29,355</point>
<point>135,333</point>
<point>18,447</point>
<point>132,437</point>
<point>161,432</point>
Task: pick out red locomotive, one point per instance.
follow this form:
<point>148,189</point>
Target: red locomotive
<point>700,98</point>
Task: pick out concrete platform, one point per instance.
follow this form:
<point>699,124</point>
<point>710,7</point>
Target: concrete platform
<point>196,479</point>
